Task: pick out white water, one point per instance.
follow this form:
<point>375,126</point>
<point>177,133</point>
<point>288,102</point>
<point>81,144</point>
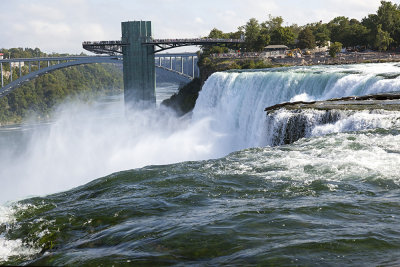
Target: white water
<point>236,100</point>
<point>284,123</point>
<point>87,141</point>
<point>9,248</point>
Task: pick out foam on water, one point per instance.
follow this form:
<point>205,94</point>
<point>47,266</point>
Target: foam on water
<point>287,125</point>
<point>85,142</point>
<point>329,192</point>
<point>235,100</point>
<point>89,141</point>
<point>11,248</point>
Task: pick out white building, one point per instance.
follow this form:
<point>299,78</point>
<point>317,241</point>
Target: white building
<point>275,51</point>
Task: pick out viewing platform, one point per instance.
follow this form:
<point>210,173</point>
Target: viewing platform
<point>115,47</point>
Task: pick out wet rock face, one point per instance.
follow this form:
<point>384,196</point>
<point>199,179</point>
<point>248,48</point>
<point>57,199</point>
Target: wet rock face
<point>288,122</point>
<point>387,101</point>
<point>289,126</point>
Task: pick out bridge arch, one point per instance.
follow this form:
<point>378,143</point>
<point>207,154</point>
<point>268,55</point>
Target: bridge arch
<point>75,61</point>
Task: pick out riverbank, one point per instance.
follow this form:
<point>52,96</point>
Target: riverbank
<point>341,59</point>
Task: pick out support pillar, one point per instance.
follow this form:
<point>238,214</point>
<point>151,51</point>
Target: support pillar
<point>170,63</point>
<point>30,67</point>
<point>138,64</point>
<point>193,67</point>
<point>39,65</point>
<point>2,81</point>
<point>181,64</point>
<point>11,70</point>
<point>19,69</point>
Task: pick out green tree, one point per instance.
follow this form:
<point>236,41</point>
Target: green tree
<point>252,31</point>
<point>340,30</point>
<point>388,33</point>
<point>262,41</point>
<point>296,29</point>
<point>389,18</point>
<point>383,39</point>
<point>321,34</point>
<point>306,39</point>
<point>282,35</point>
<point>357,34</point>
<point>216,34</point>
<point>335,48</point>
<point>371,23</point>
<point>272,23</point>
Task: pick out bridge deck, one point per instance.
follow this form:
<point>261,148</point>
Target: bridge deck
<point>115,47</point>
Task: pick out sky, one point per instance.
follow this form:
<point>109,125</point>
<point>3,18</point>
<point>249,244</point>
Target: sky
<point>61,26</point>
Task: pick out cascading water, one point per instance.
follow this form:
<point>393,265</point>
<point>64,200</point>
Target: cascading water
<point>236,100</point>
<point>328,200</point>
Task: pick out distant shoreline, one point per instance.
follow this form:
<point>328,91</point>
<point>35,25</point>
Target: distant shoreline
<point>314,59</point>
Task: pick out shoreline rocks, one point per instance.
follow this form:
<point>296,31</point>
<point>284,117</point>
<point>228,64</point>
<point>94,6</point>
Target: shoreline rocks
<point>385,101</point>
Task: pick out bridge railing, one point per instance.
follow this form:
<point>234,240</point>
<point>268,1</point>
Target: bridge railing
<point>184,64</point>
<point>191,40</point>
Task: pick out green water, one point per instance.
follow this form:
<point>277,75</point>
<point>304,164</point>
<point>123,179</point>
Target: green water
<point>332,200</point>
<point>208,189</point>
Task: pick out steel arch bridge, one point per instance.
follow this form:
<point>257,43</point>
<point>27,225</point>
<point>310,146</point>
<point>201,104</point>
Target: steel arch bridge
<point>171,63</point>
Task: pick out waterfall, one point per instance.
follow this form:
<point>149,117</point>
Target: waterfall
<point>235,100</point>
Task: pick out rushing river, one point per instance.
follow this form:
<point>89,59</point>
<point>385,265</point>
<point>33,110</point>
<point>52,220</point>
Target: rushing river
<point>208,188</point>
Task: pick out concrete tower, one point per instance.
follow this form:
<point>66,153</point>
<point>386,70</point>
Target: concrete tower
<point>139,64</point>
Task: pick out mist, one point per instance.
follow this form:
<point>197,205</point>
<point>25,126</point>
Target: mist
<point>86,141</point>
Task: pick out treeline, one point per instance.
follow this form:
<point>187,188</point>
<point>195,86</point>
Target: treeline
<point>380,31</point>
<point>42,94</point>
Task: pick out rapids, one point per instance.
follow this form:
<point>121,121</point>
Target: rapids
<point>209,188</point>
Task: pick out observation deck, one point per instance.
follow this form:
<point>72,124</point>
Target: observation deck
<point>115,47</point>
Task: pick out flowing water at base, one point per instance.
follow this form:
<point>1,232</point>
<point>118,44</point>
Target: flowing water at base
<point>332,198</point>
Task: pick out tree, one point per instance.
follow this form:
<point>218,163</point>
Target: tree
<point>252,31</point>
<point>282,35</point>
<point>339,28</point>
<point>262,41</point>
<point>217,34</point>
<point>389,18</point>
<point>383,39</point>
<point>321,33</point>
<point>335,48</point>
<point>272,23</point>
<point>388,33</point>
<point>306,39</point>
<point>357,34</point>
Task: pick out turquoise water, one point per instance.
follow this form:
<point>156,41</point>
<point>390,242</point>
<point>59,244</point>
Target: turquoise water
<point>332,198</point>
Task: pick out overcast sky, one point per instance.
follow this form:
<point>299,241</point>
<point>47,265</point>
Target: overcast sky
<point>61,25</point>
